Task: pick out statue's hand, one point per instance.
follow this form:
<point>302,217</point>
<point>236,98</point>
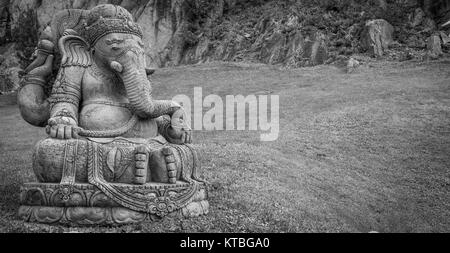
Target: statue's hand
<point>179,130</point>
<point>62,128</point>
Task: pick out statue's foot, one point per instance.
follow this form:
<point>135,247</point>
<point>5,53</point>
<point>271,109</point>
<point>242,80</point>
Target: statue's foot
<point>163,166</point>
<point>170,164</point>
<point>141,158</point>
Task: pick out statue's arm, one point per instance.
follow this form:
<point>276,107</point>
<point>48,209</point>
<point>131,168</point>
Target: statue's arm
<point>66,93</point>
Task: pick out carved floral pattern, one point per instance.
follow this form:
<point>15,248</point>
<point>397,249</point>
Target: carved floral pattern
<point>87,205</point>
<point>161,206</point>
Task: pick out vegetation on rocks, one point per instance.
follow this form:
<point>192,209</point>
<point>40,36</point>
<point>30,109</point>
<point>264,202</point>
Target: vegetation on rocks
<point>246,28</point>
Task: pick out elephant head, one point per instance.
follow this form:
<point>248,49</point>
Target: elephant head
<point>123,54</point>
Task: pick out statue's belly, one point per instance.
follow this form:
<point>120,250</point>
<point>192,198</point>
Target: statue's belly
<point>103,117</point>
<point>107,117</point>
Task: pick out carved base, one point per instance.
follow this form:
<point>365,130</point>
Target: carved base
<point>87,205</point>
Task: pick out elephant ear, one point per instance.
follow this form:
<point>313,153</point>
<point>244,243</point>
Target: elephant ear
<point>74,50</point>
<point>66,26</point>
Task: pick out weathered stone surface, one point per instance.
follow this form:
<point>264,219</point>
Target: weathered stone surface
<point>429,25</point>
<point>50,194</point>
<point>41,202</point>
<point>352,64</point>
<point>35,206</point>
<point>316,49</point>
<point>434,46</point>
<point>136,159</point>
<point>444,38</point>
<point>101,216</point>
<point>273,49</point>
<point>418,17</point>
<point>377,36</point>
<point>297,49</point>
<point>170,40</point>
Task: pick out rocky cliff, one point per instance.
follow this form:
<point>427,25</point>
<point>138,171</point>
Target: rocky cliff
<point>286,32</point>
<point>162,21</point>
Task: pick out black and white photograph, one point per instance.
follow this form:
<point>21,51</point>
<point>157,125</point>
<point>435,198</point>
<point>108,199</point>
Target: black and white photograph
<point>249,118</point>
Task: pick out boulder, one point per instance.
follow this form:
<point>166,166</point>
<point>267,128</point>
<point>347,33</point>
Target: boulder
<point>352,64</point>
<point>434,46</point>
<point>317,49</point>
<point>272,51</point>
<point>429,25</point>
<point>445,38</point>
<point>418,17</point>
<point>307,49</point>
<point>377,36</point>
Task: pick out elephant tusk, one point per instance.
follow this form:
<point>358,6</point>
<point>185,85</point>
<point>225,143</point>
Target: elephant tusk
<point>116,66</point>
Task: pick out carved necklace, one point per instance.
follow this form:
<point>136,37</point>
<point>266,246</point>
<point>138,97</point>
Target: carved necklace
<point>107,78</point>
<point>98,73</point>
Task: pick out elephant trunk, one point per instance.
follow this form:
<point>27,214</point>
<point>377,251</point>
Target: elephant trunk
<point>137,85</point>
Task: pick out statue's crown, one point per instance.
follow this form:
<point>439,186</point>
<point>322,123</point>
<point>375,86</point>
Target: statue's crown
<point>108,18</point>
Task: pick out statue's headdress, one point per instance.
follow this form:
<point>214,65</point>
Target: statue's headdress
<point>95,23</point>
<point>108,18</point>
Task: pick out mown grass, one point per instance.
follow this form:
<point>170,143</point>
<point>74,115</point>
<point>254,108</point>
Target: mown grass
<point>356,152</point>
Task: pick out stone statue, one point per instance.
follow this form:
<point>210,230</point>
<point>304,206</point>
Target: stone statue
<point>114,154</point>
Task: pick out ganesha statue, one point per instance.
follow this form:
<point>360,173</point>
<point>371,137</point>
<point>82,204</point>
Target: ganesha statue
<point>114,154</point>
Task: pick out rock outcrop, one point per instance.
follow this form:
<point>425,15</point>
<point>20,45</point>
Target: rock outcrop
<point>434,46</point>
<point>175,36</point>
<point>377,36</point>
<point>287,33</point>
<point>418,17</point>
<point>444,38</point>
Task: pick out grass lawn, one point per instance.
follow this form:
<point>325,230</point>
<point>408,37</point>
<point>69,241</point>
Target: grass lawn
<point>356,152</point>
